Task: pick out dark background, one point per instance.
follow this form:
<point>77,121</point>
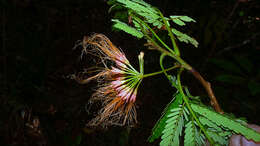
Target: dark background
<point>36,57</point>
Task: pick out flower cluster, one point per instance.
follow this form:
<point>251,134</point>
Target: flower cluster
<point>118,86</point>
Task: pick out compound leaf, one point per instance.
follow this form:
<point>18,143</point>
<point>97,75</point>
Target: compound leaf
<point>161,123</point>
<point>227,122</point>
<point>128,29</point>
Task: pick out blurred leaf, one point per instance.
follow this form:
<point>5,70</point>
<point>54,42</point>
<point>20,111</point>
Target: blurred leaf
<point>78,139</point>
<point>254,87</point>
<point>241,13</point>
<point>244,63</point>
<point>226,65</point>
<point>231,79</point>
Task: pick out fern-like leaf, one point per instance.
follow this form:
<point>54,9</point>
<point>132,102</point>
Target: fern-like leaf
<point>227,122</point>
<point>190,132</point>
<point>180,20</point>
<point>128,29</point>
<point>173,127</point>
<point>205,121</point>
<point>200,138</point>
<point>160,125</point>
<point>141,8</point>
<point>185,38</point>
<point>218,138</point>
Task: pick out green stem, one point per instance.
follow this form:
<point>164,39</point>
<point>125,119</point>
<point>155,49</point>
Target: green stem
<point>186,100</point>
<point>159,72</point>
<point>161,64</point>
<point>171,53</point>
<point>157,37</point>
<point>174,44</point>
<point>181,61</point>
<point>164,71</point>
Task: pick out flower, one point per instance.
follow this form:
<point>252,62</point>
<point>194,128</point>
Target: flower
<point>118,85</point>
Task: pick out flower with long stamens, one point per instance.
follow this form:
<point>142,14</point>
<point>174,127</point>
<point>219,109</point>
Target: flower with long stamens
<point>119,85</point>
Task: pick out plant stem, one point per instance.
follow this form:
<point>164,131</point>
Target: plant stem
<point>175,47</point>
<point>157,37</point>
<point>186,100</point>
<point>207,86</point>
<point>161,64</point>
<point>185,65</point>
<point>159,72</point>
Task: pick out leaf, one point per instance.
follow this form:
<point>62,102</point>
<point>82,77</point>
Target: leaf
<point>141,8</point>
<point>178,21</point>
<point>128,29</point>
<point>187,19</point>
<point>185,38</point>
<point>205,121</point>
<point>190,132</point>
<point>231,79</point>
<point>173,81</point>
<point>160,125</point>
<point>200,138</point>
<point>183,18</point>
<point>173,128</point>
<point>217,138</point>
<point>227,122</point>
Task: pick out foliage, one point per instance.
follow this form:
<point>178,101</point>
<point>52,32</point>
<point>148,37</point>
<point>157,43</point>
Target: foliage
<point>160,125</point>
<point>226,122</point>
<point>185,112</point>
<point>173,127</point>
<point>128,29</point>
<point>151,16</point>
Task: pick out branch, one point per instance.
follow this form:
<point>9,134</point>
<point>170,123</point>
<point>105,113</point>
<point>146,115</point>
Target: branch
<point>207,86</point>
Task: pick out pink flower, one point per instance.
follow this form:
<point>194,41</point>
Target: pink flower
<point>118,89</point>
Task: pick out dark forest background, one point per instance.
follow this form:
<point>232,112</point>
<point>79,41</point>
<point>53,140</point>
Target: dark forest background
<point>41,106</point>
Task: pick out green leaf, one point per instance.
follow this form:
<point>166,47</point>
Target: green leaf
<point>231,79</point>
<point>128,29</point>
<point>190,132</point>
<point>227,122</point>
<point>173,128</point>
<point>178,21</point>
<point>141,8</point>
<point>205,121</point>
<point>160,125</point>
<point>185,38</point>
<point>173,81</point>
<point>183,18</point>
<point>217,138</point>
<point>187,19</point>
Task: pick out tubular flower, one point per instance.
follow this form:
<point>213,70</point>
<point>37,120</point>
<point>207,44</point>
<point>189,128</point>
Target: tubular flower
<point>118,84</point>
